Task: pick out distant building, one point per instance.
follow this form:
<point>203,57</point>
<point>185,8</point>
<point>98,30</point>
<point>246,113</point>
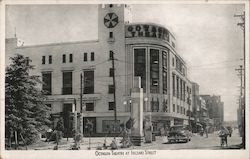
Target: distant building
<point>147,50</point>
<point>215,109</point>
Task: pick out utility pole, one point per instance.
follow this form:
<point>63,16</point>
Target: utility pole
<point>114,86</point>
<point>81,116</point>
<point>242,101</point>
<point>189,110</point>
<point>242,105</point>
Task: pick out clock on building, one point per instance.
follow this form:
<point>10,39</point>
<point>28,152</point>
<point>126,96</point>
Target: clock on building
<point>110,20</point>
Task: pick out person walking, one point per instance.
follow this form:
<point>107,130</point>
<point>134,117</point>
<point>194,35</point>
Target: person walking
<point>223,133</point>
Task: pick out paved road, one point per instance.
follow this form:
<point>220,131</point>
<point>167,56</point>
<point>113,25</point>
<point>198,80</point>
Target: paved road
<point>197,142</point>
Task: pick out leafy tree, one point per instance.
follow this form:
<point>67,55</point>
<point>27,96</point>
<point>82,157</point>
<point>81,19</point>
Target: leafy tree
<point>25,111</point>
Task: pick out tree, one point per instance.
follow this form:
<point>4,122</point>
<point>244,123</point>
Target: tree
<point>25,111</point>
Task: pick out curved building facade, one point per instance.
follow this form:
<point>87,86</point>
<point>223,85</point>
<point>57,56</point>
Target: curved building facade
<point>146,50</point>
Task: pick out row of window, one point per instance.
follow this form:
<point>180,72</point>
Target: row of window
<point>179,88</point>
<point>140,69</point>
<point>179,109</point>
<point>67,80</point>
<point>64,58</point>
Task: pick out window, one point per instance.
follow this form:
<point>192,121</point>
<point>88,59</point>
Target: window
<point>154,71</point>
<point>43,59</point>
<point>89,82</point>
<point>70,58</point>
<point>67,83</point>
<point>178,109</point>
<point>111,54</point>
<point>89,106</point>
<point>92,56</point>
<point>173,80</point>
<point>173,107</point>
<point>184,111</point>
<point>184,91</point>
<point>181,88</point>
<point>67,109</point>
<point>64,58</point>
<point>173,62</point>
<point>50,59</point>
<point>155,106</point>
<point>165,80</point>
<point>181,110</point>
<point>140,66</point>
<point>111,72</point>
<point>177,89</point>
<point>111,89</point>
<point>108,126</point>
<point>46,87</point>
<point>110,34</point>
<point>85,57</point>
<point>111,105</point>
<point>164,60</point>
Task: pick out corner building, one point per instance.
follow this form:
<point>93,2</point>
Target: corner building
<point>145,50</point>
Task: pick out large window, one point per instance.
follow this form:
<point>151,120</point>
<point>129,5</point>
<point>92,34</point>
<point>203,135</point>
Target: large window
<point>164,74</point>
<point>165,80</point>
<point>155,106</point>
<point>111,72</point>
<point>67,83</point>
<point>173,82</point>
<point>111,105</point>
<point>181,88</point>
<point>89,106</point>
<point>89,82</point>
<point>154,71</point>
<point>164,60</point>
<point>111,89</point>
<point>173,107</point>
<point>177,86</point>
<point>46,77</point>
<point>140,66</point>
<point>108,126</point>
<point>184,91</point>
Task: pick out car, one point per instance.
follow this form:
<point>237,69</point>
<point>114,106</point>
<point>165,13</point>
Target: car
<point>178,133</point>
<point>229,128</point>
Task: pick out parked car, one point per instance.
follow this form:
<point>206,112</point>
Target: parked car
<point>179,133</point>
<point>229,128</point>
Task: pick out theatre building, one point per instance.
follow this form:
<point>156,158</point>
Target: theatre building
<point>146,50</point>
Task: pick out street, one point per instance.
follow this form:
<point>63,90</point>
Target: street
<point>197,142</point>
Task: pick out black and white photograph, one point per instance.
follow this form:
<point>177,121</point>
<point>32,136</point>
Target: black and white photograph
<point>125,79</point>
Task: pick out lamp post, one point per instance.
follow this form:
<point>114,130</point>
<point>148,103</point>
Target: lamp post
<point>130,103</point>
<point>146,103</point>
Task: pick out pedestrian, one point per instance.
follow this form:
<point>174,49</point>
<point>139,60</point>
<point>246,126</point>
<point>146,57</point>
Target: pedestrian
<point>223,133</point>
<point>206,131</point>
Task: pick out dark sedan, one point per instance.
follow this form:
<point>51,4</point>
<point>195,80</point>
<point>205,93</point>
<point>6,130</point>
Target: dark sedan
<point>179,133</point>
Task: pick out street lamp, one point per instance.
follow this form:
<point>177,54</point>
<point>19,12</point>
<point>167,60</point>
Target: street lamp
<point>146,103</point>
<point>130,102</point>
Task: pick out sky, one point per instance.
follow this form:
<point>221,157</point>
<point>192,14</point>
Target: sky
<point>207,37</point>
